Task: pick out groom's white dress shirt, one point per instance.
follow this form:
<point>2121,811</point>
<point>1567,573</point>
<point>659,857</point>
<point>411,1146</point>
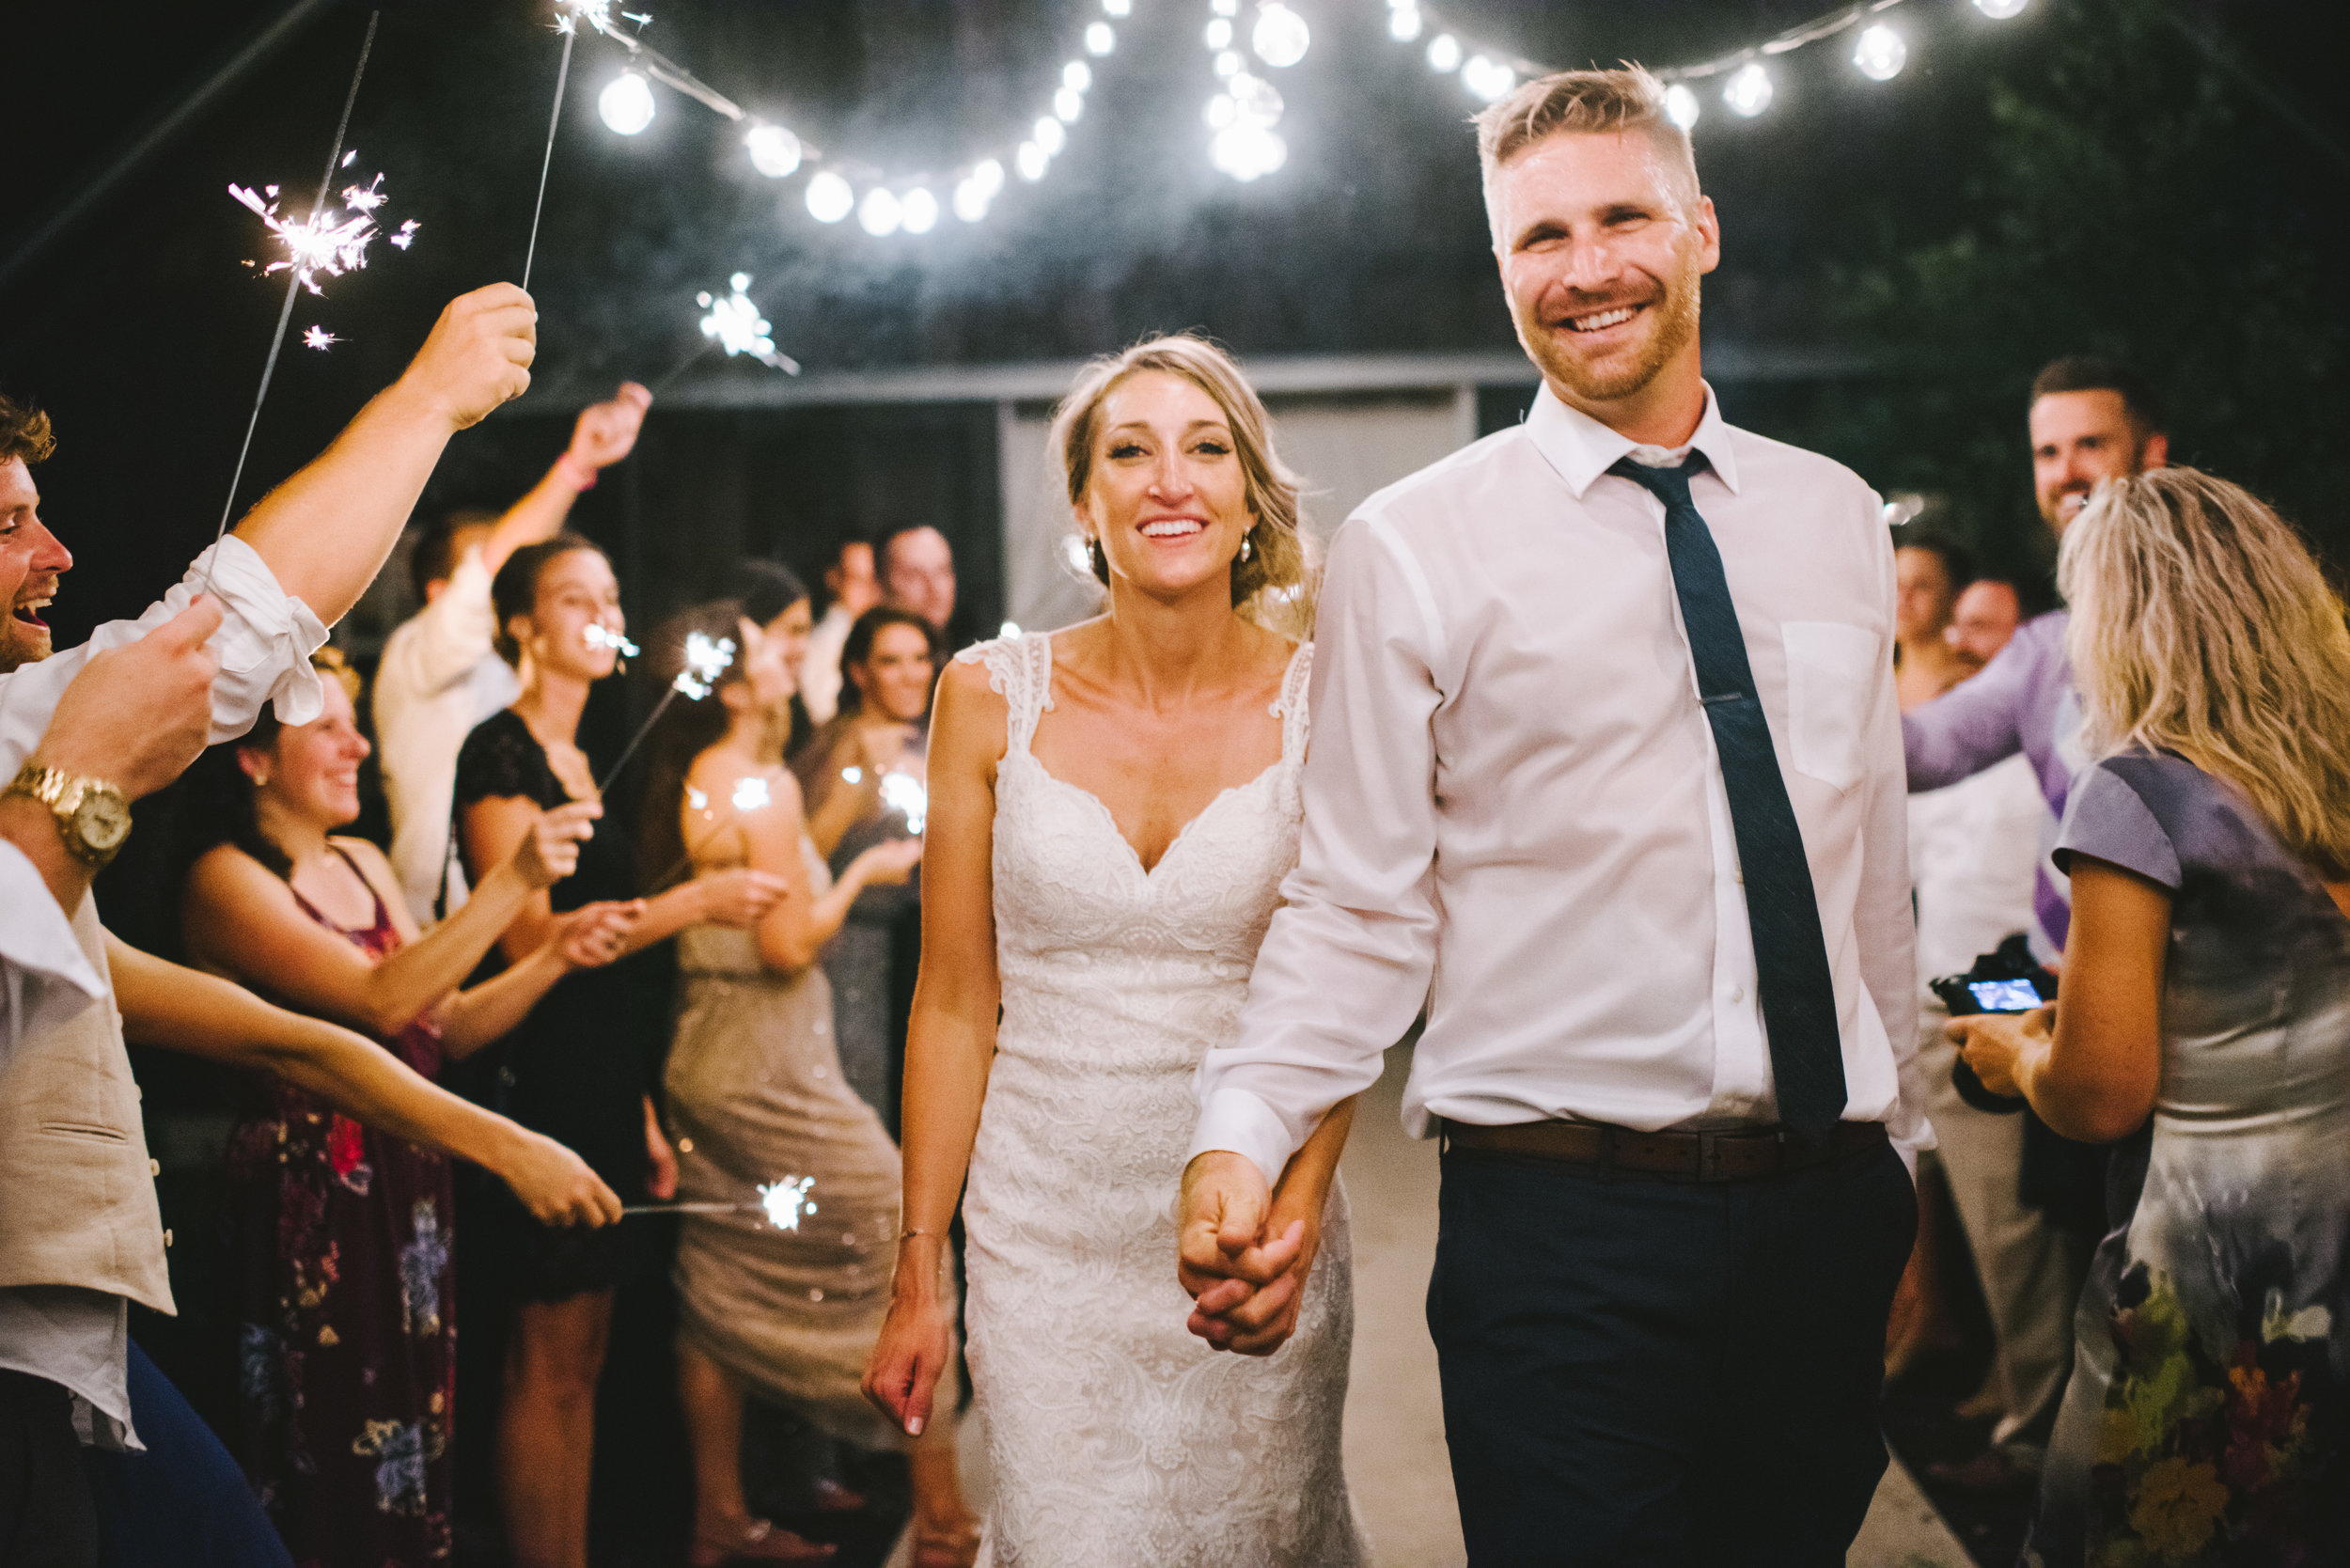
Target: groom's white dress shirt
<point>1514,813</point>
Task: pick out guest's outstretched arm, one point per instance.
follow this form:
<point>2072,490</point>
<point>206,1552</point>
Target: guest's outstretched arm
<point>951,1042</point>
<point>603,434</point>
<point>324,532</point>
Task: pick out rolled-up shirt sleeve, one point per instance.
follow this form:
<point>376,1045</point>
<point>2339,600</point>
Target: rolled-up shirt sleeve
<point>1345,963</point>
<point>45,979</point>
<point>1973,726</point>
<point>264,644</point>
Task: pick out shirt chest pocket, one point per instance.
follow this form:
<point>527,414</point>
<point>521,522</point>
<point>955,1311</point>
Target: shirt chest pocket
<point>1830,667</point>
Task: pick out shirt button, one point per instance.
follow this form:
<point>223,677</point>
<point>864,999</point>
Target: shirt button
<point>154,1168</point>
<point>166,1238</point>
<point>1737,993</point>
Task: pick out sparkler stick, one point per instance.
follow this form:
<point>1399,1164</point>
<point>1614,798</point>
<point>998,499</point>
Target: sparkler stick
<point>555,117</point>
<point>784,1203</point>
<point>293,285</point>
<point>705,661</point>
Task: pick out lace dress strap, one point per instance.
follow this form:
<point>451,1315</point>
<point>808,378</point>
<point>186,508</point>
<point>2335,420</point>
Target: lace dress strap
<point>1297,724</point>
<point>1019,670</point>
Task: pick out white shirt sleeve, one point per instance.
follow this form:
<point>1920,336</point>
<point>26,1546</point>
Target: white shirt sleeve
<point>264,646</point>
<point>1345,964</point>
<point>44,976</point>
<point>445,639</point>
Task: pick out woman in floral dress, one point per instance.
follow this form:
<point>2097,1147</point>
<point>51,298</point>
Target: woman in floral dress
<point>2207,979</point>
<point>340,1234</point>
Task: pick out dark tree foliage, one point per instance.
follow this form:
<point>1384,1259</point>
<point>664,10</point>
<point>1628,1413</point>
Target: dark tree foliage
<point>2130,199</point>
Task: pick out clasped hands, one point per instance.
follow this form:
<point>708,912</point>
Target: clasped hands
<point>1244,1255</point>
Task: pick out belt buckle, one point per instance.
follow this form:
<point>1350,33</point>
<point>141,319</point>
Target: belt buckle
<point>1709,1156</point>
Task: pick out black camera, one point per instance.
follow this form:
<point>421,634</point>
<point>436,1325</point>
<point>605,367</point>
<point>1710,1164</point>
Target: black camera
<point>2006,981</point>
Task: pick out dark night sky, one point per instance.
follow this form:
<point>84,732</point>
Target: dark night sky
<point>143,334</point>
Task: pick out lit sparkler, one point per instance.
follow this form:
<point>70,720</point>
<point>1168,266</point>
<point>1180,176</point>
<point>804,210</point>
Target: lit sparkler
<point>735,324</point>
<point>597,635</point>
<point>784,1203</point>
<point>706,659</point>
<point>904,793</point>
<point>319,338</point>
<point>322,244</point>
<point>750,794</point>
<point>597,14</point>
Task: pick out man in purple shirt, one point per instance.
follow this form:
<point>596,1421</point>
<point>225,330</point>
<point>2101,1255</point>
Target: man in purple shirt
<point>2090,420</point>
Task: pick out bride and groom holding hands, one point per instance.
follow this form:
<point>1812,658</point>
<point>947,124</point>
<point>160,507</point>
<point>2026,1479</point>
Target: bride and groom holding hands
<point>1604,776</point>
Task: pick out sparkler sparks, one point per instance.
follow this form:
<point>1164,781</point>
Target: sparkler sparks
<point>903,791</point>
<point>597,635</point>
<point>597,14</point>
<point>324,243</point>
<point>705,661</point>
<point>750,794</point>
<point>786,1202</point>
<point>734,323</point>
<point>318,339</point>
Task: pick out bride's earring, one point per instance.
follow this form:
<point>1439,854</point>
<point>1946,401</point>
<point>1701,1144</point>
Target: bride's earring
<point>1099,562</point>
<point>1247,544</point>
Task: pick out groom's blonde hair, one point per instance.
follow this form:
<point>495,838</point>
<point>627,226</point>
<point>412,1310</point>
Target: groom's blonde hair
<point>1626,102</point>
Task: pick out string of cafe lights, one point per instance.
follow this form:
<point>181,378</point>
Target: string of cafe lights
<point>1240,116</point>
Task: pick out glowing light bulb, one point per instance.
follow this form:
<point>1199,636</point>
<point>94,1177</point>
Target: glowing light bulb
<point>774,151</point>
<point>1031,161</point>
<point>1749,90</point>
<point>1255,101</point>
<point>1246,153</point>
<point>880,213</point>
<point>1488,78</point>
<point>626,103</point>
<point>1219,33</point>
<point>1119,7</point>
<point>1049,135</point>
<point>1681,106</point>
<point>1225,7</point>
<point>917,210</point>
<point>989,176</point>
<point>1229,63</point>
<point>1068,104</point>
<point>1444,52</point>
<point>1281,36</point>
<point>1077,76</point>
<point>970,200</point>
<point>1404,23</point>
<point>1999,10</point>
<point>1880,53</point>
<point>1221,110</point>
<point>1100,38</point>
<point>830,198</point>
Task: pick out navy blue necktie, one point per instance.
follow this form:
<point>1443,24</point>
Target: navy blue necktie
<point>1790,957</point>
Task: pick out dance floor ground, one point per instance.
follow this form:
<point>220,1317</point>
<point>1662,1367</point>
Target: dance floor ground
<point>1395,1453</point>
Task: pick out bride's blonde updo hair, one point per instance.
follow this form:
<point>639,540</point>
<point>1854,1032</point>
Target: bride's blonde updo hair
<point>1275,584</point>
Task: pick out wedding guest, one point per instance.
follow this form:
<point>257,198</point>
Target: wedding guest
<point>917,572</point>
<point>2207,981</point>
<point>440,675</point>
<point>80,1236</point>
<point>570,1068</point>
<point>851,589</point>
<point>1606,776</point>
<point>2089,420</point>
<point>1985,615</point>
<point>880,732</point>
<point>756,1093</point>
<point>1928,573</point>
<point>349,1373</point>
<point>776,599</point>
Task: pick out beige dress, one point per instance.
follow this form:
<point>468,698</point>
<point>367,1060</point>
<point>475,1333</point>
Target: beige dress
<point>755,1088</point>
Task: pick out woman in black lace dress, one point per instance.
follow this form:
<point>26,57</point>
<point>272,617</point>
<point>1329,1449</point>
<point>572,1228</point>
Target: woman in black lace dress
<point>572,1069</point>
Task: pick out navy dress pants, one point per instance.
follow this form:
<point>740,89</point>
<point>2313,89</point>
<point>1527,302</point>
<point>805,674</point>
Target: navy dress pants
<point>182,1503</point>
<point>1645,1372</point>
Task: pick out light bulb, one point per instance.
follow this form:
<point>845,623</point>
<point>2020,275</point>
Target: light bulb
<point>1049,135</point>
<point>829,197</point>
<point>1246,153</point>
<point>626,103</point>
<point>1681,106</point>
<point>917,210</point>
<point>1225,7</point>
<point>970,200</point>
<point>1880,53</point>
<point>1119,7</point>
<point>1076,76</point>
<point>1489,79</point>
<point>1404,23</point>
<point>1999,10</point>
<point>1067,104</point>
<point>879,214</point>
<point>1281,36</point>
<point>1219,33</point>
<point>989,176</point>
<point>1444,52</point>
<point>1221,111</point>
<point>1229,63</point>
<point>1749,90</point>
<point>774,151</point>
<point>1100,37</point>
<point>1031,159</point>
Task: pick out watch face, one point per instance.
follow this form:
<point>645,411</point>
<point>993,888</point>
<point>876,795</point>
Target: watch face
<point>103,821</point>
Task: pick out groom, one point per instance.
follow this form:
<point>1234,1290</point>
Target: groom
<point>1607,771</point>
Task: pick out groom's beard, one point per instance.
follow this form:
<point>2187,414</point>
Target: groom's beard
<point>1670,323</point>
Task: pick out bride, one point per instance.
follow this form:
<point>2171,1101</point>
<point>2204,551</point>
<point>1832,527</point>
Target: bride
<point>1112,808</point>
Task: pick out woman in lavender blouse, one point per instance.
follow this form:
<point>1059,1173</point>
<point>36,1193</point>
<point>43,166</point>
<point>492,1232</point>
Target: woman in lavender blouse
<point>2207,979</point>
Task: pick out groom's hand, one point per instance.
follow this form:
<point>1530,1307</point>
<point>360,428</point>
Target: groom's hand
<point>1225,1260</point>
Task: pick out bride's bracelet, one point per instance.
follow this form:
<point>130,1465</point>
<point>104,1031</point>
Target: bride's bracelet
<point>911,1232</point>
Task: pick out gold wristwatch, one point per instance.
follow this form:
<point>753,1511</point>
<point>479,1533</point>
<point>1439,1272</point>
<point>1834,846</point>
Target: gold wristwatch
<point>93,818</point>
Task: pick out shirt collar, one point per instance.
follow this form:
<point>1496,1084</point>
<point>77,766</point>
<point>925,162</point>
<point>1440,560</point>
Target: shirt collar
<point>1581,448</point>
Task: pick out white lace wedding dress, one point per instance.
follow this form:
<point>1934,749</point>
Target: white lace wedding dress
<point>1118,1440</point>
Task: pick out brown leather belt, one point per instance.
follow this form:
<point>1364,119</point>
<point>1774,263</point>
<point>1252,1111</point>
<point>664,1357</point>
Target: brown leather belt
<point>1740,1154</point>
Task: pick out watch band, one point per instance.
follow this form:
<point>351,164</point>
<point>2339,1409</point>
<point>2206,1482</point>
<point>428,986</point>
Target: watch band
<point>64,793</point>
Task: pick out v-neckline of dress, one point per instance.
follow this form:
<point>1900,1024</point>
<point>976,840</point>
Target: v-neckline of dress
<point>1109,819</point>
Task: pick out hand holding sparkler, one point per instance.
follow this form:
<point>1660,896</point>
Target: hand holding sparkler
<point>554,1183</point>
<point>594,935</point>
<point>739,898</point>
<point>477,357</point>
<point>550,851</point>
<point>887,863</point>
<point>606,433</point>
